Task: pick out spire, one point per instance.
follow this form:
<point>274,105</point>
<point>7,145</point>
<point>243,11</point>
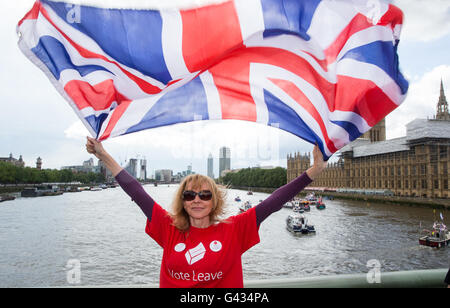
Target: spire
<point>442,106</point>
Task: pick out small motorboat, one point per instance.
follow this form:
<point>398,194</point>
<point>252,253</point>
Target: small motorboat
<point>237,199</point>
<point>438,237</point>
<point>288,205</point>
<point>245,206</point>
<point>298,224</point>
<point>320,205</point>
<point>298,207</point>
<point>311,197</point>
<point>305,205</point>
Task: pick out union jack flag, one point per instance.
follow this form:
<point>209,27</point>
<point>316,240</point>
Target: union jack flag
<point>323,70</point>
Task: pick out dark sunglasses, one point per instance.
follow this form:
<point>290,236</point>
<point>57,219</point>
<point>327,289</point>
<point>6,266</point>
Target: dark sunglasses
<point>189,195</point>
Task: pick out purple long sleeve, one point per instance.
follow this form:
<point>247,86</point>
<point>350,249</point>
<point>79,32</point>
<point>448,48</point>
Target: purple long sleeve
<point>137,193</point>
<point>280,196</point>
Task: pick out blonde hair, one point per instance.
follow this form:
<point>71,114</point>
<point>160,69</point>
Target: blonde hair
<point>180,217</point>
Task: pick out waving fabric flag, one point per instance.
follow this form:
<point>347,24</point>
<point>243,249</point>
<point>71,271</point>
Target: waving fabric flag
<point>326,71</point>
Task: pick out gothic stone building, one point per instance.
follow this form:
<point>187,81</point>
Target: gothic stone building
<point>414,165</point>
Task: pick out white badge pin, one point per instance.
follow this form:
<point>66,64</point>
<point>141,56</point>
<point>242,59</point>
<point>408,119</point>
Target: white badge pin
<point>215,246</point>
<point>180,247</point>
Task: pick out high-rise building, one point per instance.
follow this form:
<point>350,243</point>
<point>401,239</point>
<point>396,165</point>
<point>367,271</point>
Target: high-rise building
<point>163,175</point>
<point>224,160</point>
<point>210,166</point>
<point>143,175</point>
<point>132,166</point>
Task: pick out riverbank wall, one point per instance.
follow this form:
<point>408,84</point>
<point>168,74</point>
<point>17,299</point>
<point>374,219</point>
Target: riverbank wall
<point>394,200</point>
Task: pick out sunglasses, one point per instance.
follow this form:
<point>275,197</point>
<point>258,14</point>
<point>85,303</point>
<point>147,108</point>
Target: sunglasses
<point>189,195</point>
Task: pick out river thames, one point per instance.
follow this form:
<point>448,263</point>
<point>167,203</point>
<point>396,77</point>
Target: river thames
<point>102,232</point>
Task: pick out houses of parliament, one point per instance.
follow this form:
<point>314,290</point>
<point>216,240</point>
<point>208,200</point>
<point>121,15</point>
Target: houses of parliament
<point>415,165</point>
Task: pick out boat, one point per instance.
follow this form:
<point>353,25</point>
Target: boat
<point>298,207</point>
<point>42,190</point>
<point>320,205</point>
<point>250,193</point>
<point>311,197</point>
<point>438,237</point>
<point>298,224</point>
<point>245,206</point>
<point>305,205</point>
<point>288,205</point>
<point>237,199</point>
<point>72,189</point>
<point>6,198</point>
<point>95,188</point>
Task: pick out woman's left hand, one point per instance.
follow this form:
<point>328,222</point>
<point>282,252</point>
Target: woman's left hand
<point>319,164</point>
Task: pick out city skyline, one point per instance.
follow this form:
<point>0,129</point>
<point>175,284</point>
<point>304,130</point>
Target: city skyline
<point>37,122</point>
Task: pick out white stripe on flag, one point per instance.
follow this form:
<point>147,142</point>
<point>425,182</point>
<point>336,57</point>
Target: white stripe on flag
<point>367,36</point>
<point>172,44</point>
<point>212,96</point>
<point>251,18</point>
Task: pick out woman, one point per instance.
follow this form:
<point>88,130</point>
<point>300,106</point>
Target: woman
<point>200,250</point>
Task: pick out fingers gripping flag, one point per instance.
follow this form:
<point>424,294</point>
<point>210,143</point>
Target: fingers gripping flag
<point>326,71</point>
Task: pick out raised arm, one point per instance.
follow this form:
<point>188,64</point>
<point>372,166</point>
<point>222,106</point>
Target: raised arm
<point>128,183</point>
<point>285,193</point>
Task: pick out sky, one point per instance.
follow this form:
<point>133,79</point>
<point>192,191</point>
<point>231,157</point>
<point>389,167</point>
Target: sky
<point>35,121</point>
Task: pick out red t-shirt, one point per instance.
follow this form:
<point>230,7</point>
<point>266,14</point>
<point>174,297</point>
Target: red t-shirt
<point>203,258</point>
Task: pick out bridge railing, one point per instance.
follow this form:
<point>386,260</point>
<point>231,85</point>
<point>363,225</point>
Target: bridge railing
<point>402,279</point>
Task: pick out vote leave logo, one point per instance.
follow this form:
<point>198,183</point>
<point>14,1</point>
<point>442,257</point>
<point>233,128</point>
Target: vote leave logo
<point>197,253</point>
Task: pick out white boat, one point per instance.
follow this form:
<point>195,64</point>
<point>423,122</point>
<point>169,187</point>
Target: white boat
<point>245,206</point>
<point>288,205</point>
<point>298,224</point>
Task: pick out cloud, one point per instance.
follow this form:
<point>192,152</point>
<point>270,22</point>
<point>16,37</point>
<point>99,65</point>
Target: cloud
<point>424,21</point>
<point>421,100</point>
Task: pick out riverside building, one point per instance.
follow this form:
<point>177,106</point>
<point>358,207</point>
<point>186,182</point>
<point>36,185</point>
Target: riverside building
<point>415,165</point>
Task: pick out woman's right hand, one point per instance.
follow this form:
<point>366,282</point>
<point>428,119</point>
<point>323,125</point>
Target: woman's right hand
<point>95,147</point>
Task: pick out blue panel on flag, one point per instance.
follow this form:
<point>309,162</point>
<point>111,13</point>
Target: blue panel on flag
<point>351,129</point>
<point>382,54</point>
<point>288,16</point>
<point>53,54</point>
<point>135,41</point>
<point>287,119</point>
<point>185,104</point>
<point>96,122</point>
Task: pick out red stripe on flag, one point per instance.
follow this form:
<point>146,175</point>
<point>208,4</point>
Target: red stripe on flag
<point>358,23</point>
<point>393,16</point>
<point>99,96</point>
<point>293,91</point>
<point>364,98</point>
<point>115,116</point>
<point>144,85</point>
<point>32,14</point>
<point>214,29</point>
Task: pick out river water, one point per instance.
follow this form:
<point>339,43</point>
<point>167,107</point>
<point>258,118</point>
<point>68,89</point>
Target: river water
<point>103,233</point>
